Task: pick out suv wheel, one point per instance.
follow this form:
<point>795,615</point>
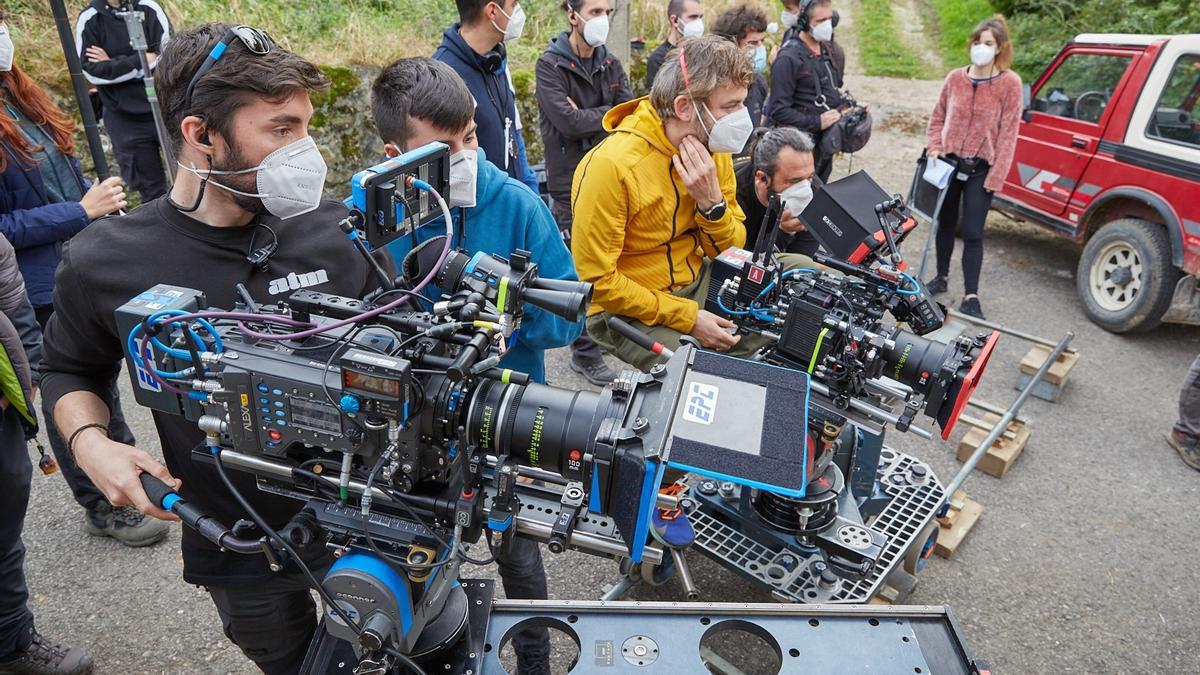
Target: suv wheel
<point>1125,276</point>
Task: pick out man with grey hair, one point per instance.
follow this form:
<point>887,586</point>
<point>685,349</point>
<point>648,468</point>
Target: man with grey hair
<point>781,164</point>
<point>655,201</point>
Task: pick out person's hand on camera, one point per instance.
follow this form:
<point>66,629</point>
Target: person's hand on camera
<point>699,174</point>
<point>830,118</point>
<point>789,223</point>
<point>96,54</point>
<point>710,330</point>
<point>115,468</point>
<point>151,57</point>
<point>105,197</point>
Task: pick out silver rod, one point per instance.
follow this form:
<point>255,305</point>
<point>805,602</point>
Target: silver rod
<point>950,313</point>
<point>584,540</point>
<point>864,407</point>
<point>663,501</point>
<point>976,422</point>
<point>980,451</point>
<point>618,590</point>
<point>588,541</point>
<point>990,407</point>
<point>685,575</point>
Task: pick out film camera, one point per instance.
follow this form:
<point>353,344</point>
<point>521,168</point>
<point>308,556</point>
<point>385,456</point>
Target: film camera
<point>866,510</point>
<point>402,438</point>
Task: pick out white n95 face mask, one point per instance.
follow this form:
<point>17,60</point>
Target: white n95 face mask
<point>730,133</point>
<point>595,31</point>
<point>788,19</point>
<point>464,169</point>
<point>516,23</point>
<point>691,29</point>
<point>982,55</point>
<point>796,197</point>
<point>6,50</point>
<point>823,32</point>
<point>290,180</point>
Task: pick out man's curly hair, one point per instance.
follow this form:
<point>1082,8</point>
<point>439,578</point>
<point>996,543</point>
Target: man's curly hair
<point>736,22</point>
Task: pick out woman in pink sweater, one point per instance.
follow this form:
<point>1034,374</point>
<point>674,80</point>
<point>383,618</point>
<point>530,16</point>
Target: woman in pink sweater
<point>974,127</point>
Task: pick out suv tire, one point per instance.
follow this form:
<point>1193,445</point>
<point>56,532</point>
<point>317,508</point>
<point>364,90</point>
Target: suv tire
<point>1125,275</point>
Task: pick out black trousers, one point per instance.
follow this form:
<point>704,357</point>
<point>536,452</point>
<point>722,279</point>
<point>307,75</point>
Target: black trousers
<point>583,348</point>
<point>274,621</point>
<point>16,472</point>
<point>136,147</point>
<point>964,211</point>
<point>84,491</point>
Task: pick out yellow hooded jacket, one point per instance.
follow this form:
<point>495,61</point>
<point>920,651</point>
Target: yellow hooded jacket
<point>637,235</point>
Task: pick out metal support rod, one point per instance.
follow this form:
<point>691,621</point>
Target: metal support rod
<point>685,575</point>
<point>91,130</point>
<point>980,451</point>
<point>618,590</point>
<point>951,313</point>
<point>526,525</point>
<point>662,501</point>
<point>869,409</point>
<point>137,39</point>
<point>992,408</point>
<point>976,422</point>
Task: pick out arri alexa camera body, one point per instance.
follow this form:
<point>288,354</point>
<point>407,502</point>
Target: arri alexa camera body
<point>401,436</point>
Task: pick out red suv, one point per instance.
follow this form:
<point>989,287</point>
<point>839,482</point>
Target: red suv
<point>1109,155</point>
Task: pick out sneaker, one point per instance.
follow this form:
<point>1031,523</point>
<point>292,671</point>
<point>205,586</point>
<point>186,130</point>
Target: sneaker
<point>595,371</point>
<point>970,307</point>
<point>1188,448</point>
<point>937,286</point>
<point>125,524</point>
<point>44,657</point>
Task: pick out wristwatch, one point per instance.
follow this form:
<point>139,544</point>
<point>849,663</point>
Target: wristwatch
<point>715,213</point>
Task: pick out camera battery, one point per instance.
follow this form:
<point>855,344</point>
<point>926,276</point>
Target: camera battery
<point>724,267</point>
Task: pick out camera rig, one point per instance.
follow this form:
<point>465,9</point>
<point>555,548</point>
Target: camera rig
<point>403,439</point>
<point>867,510</point>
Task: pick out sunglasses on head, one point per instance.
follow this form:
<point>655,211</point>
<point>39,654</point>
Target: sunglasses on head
<point>255,40</point>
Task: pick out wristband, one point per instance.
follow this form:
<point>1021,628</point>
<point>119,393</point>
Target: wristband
<point>71,440</point>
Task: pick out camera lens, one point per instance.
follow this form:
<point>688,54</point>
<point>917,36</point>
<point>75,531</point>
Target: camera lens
<point>922,364</point>
<point>538,425</point>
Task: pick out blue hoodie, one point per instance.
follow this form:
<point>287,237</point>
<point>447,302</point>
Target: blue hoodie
<point>509,216</point>
<point>492,93</point>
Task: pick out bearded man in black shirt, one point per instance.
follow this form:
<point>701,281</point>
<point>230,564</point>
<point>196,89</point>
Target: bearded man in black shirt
<point>248,172</point>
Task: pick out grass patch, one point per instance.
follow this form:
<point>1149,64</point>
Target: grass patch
<point>955,21</point>
<point>882,51</point>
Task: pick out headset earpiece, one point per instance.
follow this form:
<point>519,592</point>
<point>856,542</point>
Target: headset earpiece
<point>494,60</point>
<point>802,23</point>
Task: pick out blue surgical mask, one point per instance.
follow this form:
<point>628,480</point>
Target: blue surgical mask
<point>758,58</point>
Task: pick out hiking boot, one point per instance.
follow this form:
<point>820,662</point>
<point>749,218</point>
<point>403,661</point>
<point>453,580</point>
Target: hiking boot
<point>970,307</point>
<point>44,657</point>
<point>595,371</point>
<point>937,286</point>
<point>1188,448</point>
<point>125,524</point>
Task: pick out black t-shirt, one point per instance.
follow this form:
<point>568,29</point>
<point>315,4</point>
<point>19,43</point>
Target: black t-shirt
<point>655,61</point>
<point>800,242</point>
<point>117,258</point>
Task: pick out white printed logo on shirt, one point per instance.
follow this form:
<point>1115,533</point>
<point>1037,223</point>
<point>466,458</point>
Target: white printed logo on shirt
<point>294,282</point>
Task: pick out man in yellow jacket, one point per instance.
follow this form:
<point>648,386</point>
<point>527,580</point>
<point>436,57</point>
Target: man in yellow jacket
<point>656,200</point>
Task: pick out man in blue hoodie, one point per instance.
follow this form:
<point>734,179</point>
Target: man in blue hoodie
<point>418,101</point>
<point>474,48</point>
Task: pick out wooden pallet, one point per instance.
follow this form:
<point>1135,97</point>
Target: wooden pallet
<point>1052,385</point>
<point>895,590</point>
<point>1004,450</point>
<point>957,523</point>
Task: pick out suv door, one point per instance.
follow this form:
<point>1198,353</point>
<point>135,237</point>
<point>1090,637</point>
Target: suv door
<point>1063,125</point>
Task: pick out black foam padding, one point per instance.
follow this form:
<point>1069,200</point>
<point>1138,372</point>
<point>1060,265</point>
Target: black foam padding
<point>422,258</point>
<point>782,456</point>
<point>625,498</point>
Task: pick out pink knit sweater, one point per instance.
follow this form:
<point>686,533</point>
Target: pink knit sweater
<point>978,121</point>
